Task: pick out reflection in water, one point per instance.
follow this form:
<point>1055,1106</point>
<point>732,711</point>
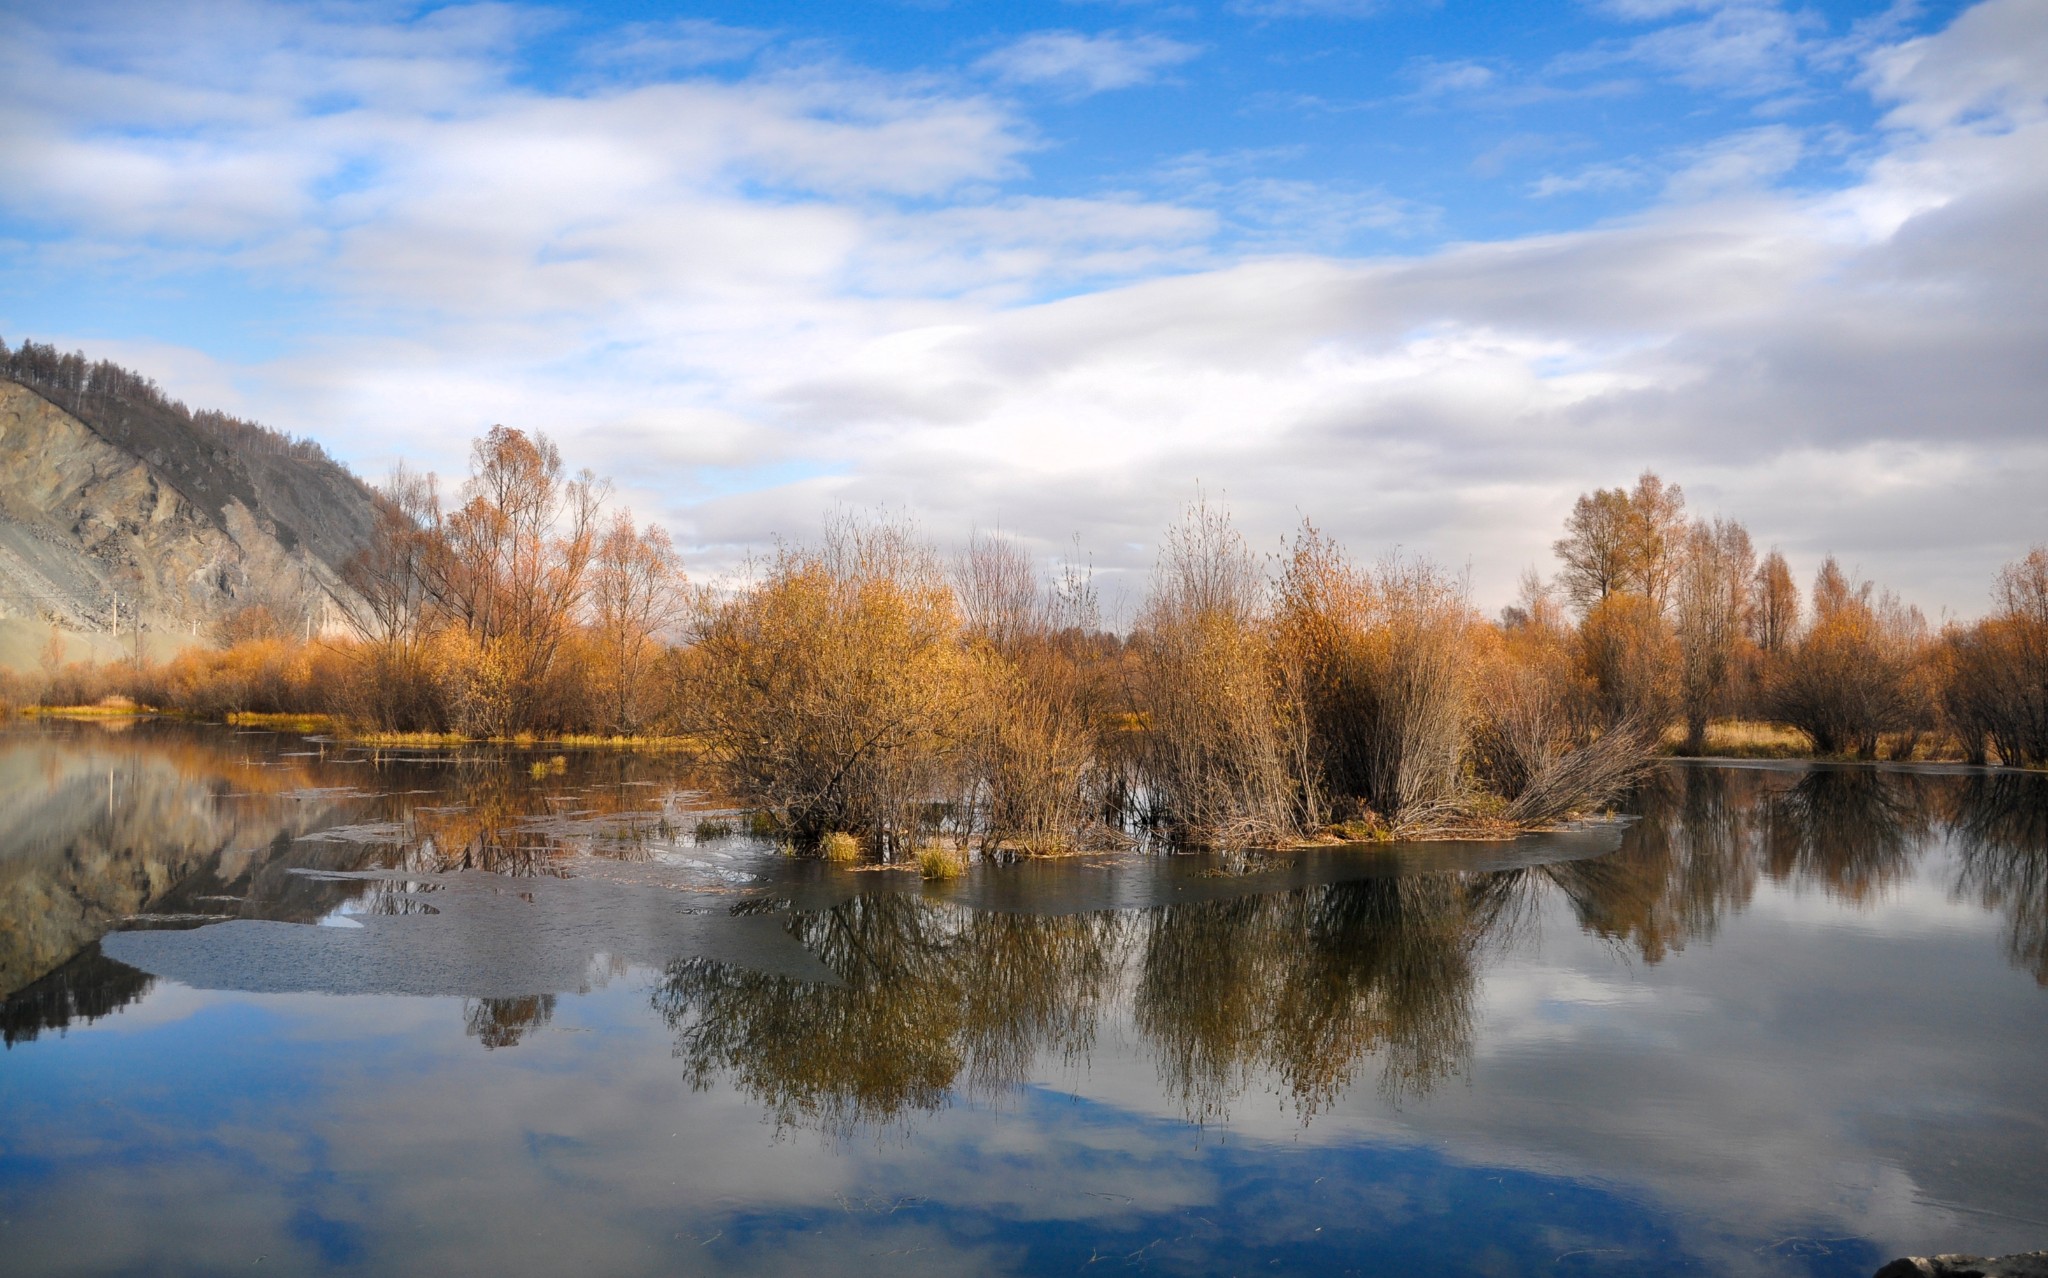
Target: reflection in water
<point>502,1022</point>
<point>1301,991</point>
<point>2001,830</point>
<point>167,825</point>
<point>932,998</point>
<point>83,990</point>
<point>164,828</point>
<point>1855,830</point>
<point>1852,1057</point>
<point>928,997</point>
<point>1303,985</point>
<point>1297,990</point>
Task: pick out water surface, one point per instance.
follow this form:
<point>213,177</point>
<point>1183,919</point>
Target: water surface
<point>270,1002</point>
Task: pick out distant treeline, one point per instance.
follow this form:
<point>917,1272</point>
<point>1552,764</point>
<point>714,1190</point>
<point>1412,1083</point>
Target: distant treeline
<point>96,389</point>
<point>867,685</point>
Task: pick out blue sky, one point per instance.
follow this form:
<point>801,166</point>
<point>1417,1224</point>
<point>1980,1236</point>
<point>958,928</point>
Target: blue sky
<point>1420,271</point>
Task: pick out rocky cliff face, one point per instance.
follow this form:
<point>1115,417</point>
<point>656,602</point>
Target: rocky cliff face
<point>143,516</point>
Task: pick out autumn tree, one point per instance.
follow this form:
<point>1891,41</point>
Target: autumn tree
<point>1215,760</point>
<point>393,575</point>
<point>1711,612</point>
<point>1627,652</point>
<point>1623,541</point>
<point>1774,613</point>
<point>1375,667</point>
<point>1035,770</point>
<point>637,595</point>
<point>834,690</point>
<point>1858,672</point>
<point>511,573</point>
<point>1541,739</point>
<point>1995,688</point>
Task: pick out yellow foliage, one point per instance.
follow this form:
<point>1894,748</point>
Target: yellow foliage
<point>835,691</point>
<point>935,861</point>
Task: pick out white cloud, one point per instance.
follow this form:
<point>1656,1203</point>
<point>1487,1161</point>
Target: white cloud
<point>1077,65</point>
<point>1594,177</point>
<point>1990,70</point>
<point>1434,76</point>
<point>677,44</point>
<point>1748,48</point>
<point>1739,162</point>
<point>752,297</point>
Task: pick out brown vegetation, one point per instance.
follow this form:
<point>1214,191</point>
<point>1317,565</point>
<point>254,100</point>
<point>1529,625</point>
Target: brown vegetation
<point>1995,688</point>
<point>1860,671</point>
<point>865,696</point>
<point>1214,758</point>
<point>835,691</point>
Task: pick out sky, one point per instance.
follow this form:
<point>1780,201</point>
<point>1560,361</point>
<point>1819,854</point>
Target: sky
<point>1420,272</point>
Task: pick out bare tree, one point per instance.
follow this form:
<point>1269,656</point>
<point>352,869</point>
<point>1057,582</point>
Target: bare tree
<point>997,587</point>
<point>1774,618</point>
<point>394,574</point>
<point>1659,510</point>
<point>1215,761</point>
<point>1618,541</point>
<point>637,594</point>
<point>1712,610</point>
<point>513,572</point>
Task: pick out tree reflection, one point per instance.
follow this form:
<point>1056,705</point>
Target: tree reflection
<point>84,989</point>
<point>1685,863</point>
<point>2001,829</point>
<point>502,1022</point>
<point>928,997</point>
<point>1856,831</point>
<point>932,999</point>
<point>1301,991</point>
<point>1305,984</point>
<point>513,814</point>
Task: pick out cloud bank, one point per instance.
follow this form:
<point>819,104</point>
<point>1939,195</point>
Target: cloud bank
<point>753,293</point>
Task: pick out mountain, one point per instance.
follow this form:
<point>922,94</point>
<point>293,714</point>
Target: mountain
<point>121,508</point>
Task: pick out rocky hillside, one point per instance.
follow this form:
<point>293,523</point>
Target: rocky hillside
<point>119,506</point>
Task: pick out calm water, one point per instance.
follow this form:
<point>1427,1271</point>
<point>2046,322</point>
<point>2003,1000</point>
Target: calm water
<point>276,1004</point>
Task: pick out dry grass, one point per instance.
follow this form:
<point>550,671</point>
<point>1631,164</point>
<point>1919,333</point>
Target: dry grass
<point>839,846</point>
<point>284,722</point>
<point>935,861</point>
<point>622,741</point>
<point>1759,739</point>
<point>1745,739</point>
<point>402,740</point>
<point>433,740</point>
<point>124,709</point>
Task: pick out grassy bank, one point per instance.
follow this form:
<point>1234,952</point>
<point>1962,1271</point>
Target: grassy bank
<point>1759,739</point>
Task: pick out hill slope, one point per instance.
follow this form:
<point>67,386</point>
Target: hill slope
<point>119,506</point>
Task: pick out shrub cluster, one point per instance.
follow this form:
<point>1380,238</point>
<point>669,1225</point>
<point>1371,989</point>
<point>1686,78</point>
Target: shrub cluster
<point>868,695</point>
<point>858,688</point>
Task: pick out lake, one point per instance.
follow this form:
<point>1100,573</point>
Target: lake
<point>280,1004</point>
